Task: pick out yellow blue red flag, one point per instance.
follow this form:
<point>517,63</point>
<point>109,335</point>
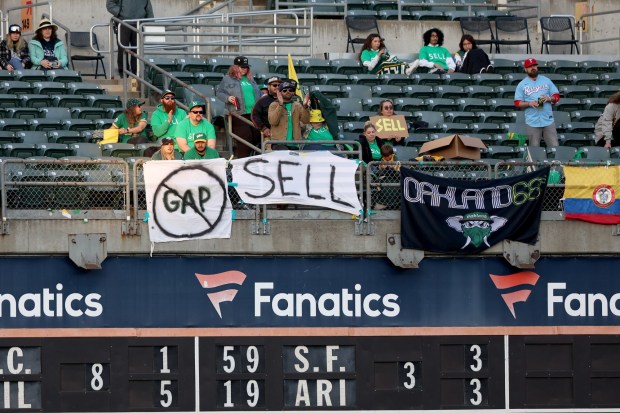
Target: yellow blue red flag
<point>292,74</point>
<point>590,194</point>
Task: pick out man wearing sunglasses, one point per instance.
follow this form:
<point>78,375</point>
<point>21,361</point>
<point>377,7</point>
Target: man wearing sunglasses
<point>167,116</point>
<point>286,115</point>
<point>195,124</point>
<point>260,111</point>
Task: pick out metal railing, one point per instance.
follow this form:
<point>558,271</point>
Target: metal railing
<point>592,41</point>
<point>25,31</point>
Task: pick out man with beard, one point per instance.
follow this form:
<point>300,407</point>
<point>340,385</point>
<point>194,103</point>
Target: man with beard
<point>537,94</point>
<point>167,116</point>
<point>200,149</point>
<point>260,111</point>
<point>286,115</point>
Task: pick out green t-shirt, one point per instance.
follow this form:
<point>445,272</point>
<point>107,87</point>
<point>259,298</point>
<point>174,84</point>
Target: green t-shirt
<point>435,55</point>
<point>375,150</point>
<point>289,130</point>
<point>123,123</point>
<point>187,130</point>
<point>249,98</point>
<point>159,122</point>
<point>368,55</point>
<point>210,153</point>
<point>320,134</point>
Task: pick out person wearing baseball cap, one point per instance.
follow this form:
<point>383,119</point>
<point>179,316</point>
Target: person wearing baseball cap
<point>260,111</point>
<point>166,116</point>
<point>46,50</point>
<point>14,50</point>
<point>537,93</point>
<point>192,126</point>
<point>131,123</point>
<point>200,149</point>
<point>239,91</point>
<point>286,114</point>
<point>166,152</point>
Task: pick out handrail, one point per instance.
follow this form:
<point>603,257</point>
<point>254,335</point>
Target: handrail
<point>580,30</point>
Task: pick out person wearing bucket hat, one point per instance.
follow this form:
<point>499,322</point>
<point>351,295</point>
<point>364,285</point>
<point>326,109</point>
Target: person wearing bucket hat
<point>131,123</point>
<point>318,132</point>
<point>200,149</point>
<point>537,94</point>
<point>166,152</point>
<point>47,51</point>
<point>195,124</point>
<point>260,111</point>
<point>128,10</point>
<point>239,91</point>
<point>14,52</point>
<point>167,116</point>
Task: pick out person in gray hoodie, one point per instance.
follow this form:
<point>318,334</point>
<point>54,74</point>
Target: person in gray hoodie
<point>129,10</point>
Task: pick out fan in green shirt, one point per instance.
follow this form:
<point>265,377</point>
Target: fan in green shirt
<point>200,149</point>
<point>188,129</point>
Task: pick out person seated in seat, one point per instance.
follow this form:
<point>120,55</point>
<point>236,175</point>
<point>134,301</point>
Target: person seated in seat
<point>167,116</point>
<point>14,52</point>
<point>386,108</point>
<point>47,51</point>
<point>131,123</point>
<point>370,144</point>
<point>470,59</point>
<point>167,152</point>
<point>318,132</point>
<point>200,149</point>
<point>433,56</point>
<point>195,124</point>
<point>377,60</point>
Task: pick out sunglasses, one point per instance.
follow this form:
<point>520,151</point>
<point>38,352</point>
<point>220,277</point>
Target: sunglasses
<point>288,90</point>
<point>168,98</point>
<point>388,107</point>
<point>197,112</point>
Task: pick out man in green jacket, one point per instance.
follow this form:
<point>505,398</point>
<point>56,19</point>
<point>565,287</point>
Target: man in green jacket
<point>200,149</point>
<point>167,116</point>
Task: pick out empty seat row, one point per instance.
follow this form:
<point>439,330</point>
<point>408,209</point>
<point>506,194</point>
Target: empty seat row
<point>80,149</point>
<point>60,113</point>
<point>50,88</point>
<point>33,75</point>
<point>51,124</point>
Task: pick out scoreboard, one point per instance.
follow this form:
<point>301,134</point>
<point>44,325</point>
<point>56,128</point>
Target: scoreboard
<point>310,373</point>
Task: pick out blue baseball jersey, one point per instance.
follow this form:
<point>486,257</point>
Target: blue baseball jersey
<point>529,90</point>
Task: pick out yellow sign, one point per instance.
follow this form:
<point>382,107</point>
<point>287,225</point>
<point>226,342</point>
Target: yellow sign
<point>581,23</point>
<point>26,16</point>
<point>389,127</point>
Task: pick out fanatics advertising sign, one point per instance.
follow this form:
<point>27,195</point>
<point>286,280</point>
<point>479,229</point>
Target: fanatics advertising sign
<point>454,216</point>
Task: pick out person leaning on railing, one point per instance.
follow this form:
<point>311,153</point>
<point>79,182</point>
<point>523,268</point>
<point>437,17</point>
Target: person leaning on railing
<point>607,129</point>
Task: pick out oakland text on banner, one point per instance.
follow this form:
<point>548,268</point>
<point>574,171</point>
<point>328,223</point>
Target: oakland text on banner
<point>307,178</point>
<point>187,200</point>
<point>454,216</point>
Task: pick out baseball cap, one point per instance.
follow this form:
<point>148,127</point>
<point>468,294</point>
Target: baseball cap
<point>200,137</point>
<point>274,79</point>
<point>195,103</point>
<point>167,141</point>
<point>287,84</point>
<point>242,61</point>
<point>133,102</point>
<point>168,92</point>
<point>14,28</point>
<point>262,86</point>
<point>530,62</point>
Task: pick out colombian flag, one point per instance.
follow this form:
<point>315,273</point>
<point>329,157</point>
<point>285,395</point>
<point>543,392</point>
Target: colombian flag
<point>590,194</point>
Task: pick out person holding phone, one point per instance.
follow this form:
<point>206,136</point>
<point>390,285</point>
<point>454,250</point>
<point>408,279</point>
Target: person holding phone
<point>47,51</point>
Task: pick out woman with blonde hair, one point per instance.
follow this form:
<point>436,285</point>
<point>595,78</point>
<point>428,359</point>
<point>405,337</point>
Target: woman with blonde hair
<point>607,129</point>
<point>14,50</point>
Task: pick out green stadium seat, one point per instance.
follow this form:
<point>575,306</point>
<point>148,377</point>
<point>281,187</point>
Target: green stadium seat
<point>505,66</point>
<point>494,117</point>
<point>576,91</point>
<point>64,136</point>
<point>419,91</point>
<point>8,137</point>
<point>574,140</point>
<point>387,91</point>
<point>355,91</point>
<point>456,128</point>
<point>486,128</point>
<point>19,150</point>
<point>596,66</point>
<point>569,105</point>
<point>371,103</point>
<point>579,127</point>
<point>16,87</point>
<point>186,77</point>
<point>591,116</point>
<point>208,78</point>
<point>506,92</point>
<point>488,79</point>
<point>486,138</point>
<point>50,88</point>
<point>79,124</point>
<point>191,64</point>
<point>561,118</point>
<point>589,79</point>
<point>332,91</point>
<point>310,79</point>
<point>603,91</point>
<point>427,79</point>
<point>361,115</point>
<point>457,79</point>
<point>499,152</point>
<point>104,101</point>
<point>597,104</point>
<point>333,79</point>
<point>64,76</point>
<point>188,96</point>
<point>279,66</point>
<point>32,137</point>
<point>449,92</point>
<point>561,153</point>
<point>119,150</point>
<point>594,153</point>
<point>88,113</point>
<point>30,75</point>
<point>9,100</point>
<point>472,104</point>
<point>441,105</point>
<point>348,104</point>
<point>35,101</point>
<point>480,92</point>
<point>54,150</point>
<point>416,139</point>
<point>347,66</point>
<point>69,101</point>
<point>610,78</point>
<point>396,79</point>
<point>55,113</point>
<point>356,127</point>
<point>14,125</point>
<point>88,150</point>
<point>435,121</point>
<point>501,104</point>
<point>393,15</point>
<point>366,79</point>
<point>46,124</point>
<point>409,104</point>
<point>315,66</point>
<point>258,65</point>
<point>21,113</point>
<point>565,67</point>
<point>405,153</point>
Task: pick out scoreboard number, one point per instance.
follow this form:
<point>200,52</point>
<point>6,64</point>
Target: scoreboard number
<point>241,393</point>
<point>409,374</point>
<point>240,359</point>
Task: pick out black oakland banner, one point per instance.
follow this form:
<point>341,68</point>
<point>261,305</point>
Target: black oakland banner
<point>456,216</point>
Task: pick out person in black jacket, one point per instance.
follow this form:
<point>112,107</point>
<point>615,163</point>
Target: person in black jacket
<point>260,111</point>
<point>371,145</point>
<point>470,59</point>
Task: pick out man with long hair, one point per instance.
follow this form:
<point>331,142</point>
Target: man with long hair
<point>14,50</point>
<point>167,116</point>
